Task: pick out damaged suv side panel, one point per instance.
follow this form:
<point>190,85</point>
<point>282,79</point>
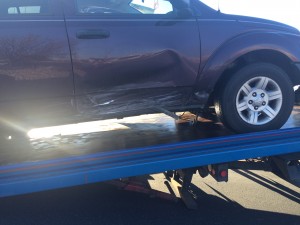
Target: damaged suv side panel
<point>133,62</point>
<point>67,61</point>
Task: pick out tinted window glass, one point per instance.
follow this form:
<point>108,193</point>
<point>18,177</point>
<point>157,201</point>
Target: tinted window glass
<point>21,7</point>
<point>124,6</point>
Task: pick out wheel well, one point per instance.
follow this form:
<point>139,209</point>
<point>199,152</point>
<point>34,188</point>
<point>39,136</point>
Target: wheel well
<point>267,56</point>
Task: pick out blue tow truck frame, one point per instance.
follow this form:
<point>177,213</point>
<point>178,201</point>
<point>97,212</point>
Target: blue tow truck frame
<point>32,177</point>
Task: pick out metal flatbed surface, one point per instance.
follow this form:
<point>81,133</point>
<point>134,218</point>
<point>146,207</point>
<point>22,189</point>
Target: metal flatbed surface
<point>121,148</point>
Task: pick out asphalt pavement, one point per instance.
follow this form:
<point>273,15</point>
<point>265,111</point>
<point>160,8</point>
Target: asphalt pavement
<point>249,198</point>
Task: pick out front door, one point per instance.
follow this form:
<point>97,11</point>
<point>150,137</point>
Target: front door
<point>132,55</point>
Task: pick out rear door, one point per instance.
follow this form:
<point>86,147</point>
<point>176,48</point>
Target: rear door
<point>132,55</point>
<point>36,81</point>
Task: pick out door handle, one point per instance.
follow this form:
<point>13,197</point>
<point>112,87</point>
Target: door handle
<point>92,34</point>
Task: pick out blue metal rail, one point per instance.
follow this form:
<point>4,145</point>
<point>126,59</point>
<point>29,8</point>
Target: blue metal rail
<point>66,172</point>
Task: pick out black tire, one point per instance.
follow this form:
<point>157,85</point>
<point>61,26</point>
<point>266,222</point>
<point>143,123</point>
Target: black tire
<point>227,99</point>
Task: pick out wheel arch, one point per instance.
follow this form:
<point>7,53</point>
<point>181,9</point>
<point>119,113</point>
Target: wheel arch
<point>252,48</point>
<point>264,56</point>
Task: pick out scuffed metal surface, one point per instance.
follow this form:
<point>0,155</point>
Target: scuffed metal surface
<point>108,102</point>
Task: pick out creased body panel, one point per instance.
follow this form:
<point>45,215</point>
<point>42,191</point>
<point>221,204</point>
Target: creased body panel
<point>142,61</point>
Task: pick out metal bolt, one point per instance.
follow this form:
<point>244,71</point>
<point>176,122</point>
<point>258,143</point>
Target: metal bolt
<point>262,95</point>
<point>256,107</point>
<point>254,94</point>
<point>250,102</point>
<point>263,103</point>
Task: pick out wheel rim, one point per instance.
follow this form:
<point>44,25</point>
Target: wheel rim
<point>259,100</point>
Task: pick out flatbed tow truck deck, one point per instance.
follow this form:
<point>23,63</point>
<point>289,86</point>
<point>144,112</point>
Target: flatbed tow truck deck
<point>114,149</point>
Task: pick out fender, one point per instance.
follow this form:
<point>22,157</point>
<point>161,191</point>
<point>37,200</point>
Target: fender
<point>284,43</point>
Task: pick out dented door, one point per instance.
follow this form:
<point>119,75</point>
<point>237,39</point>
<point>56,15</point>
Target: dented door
<point>130,61</point>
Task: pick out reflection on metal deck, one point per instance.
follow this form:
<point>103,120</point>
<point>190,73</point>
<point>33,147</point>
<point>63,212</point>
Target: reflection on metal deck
<point>113,149</point>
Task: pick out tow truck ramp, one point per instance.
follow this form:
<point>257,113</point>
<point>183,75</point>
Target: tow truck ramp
<point>207,156</point>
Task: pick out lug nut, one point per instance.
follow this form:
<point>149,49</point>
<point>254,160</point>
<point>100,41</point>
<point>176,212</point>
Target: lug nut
<point>254,94</point>
<point>250,102</point>
<point>262,95</point>
<point>263,103</point>
<point>256,107</point>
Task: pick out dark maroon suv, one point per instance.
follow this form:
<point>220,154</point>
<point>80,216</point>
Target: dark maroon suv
<point>76,60</point>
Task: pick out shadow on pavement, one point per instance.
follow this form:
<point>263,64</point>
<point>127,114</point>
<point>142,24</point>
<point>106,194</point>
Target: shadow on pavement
<point>272,185</point>
<point>102,204</point>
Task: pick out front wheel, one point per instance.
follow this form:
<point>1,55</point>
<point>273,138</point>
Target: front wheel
<point>256,98</point>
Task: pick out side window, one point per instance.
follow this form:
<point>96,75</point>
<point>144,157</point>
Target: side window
<point>124,6</point>
<point>152,6</point>
<point>23,7</point>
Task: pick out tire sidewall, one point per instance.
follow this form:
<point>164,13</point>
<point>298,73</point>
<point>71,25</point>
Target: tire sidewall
<point>229,112</point>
